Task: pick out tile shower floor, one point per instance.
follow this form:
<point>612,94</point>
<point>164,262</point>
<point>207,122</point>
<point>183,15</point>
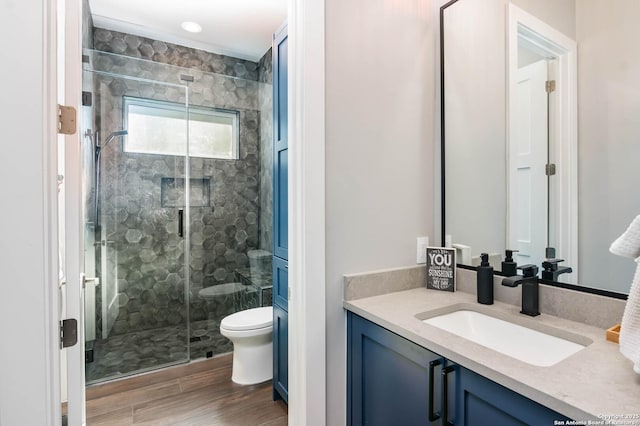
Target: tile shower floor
<point>145,350</point>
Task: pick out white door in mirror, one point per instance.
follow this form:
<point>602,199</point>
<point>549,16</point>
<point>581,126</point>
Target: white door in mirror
<point>527,159</point>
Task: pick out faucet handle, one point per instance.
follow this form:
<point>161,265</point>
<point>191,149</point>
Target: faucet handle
<point>551,264</point>
<point>528,271</point>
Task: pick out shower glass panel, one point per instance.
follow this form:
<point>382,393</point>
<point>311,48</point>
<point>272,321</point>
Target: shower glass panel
<point>173,291</point>
<point>137,226</point>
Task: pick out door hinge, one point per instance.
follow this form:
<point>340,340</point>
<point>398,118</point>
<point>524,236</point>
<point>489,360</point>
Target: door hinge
<point>550,169</point>
<point>550,86</point>
<point>68,332</point>
<point>66,120</point>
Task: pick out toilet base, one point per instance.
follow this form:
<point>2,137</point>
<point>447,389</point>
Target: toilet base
<point>252,359</point>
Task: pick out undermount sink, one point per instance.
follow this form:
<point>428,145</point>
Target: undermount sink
<point>535,347</point>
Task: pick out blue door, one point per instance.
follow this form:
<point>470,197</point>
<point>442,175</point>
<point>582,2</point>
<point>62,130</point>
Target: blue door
<point>281,145</point>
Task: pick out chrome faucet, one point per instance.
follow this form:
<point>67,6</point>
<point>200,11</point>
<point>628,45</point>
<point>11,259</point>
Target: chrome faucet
<point>529,281</point>
<point>552,270</point>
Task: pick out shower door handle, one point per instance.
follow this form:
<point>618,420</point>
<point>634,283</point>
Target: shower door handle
<point>180,223</point>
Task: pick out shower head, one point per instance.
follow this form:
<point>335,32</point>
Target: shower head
<point>114,135</point>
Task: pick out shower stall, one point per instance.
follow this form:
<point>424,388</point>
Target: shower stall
<point>176,183</point>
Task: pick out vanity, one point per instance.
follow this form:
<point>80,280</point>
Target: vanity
<point>539,144</point>
<point>402,370</point>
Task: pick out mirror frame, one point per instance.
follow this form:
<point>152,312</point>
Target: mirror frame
<point>574,287</point>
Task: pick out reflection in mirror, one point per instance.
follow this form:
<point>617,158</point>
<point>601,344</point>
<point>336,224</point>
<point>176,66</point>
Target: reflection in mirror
<point>541,145</point>
<point>549,171</point>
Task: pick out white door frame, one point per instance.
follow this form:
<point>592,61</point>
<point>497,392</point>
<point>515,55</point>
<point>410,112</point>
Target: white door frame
<point>74,222</point>
<point>307,314</point>
<point>307,353</point>
<point>552,42</point>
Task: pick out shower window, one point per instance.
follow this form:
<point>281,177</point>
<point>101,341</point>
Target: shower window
<point>157,127</point>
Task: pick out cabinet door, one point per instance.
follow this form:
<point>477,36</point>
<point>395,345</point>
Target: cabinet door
<point>482,402</point>
<point>280,353</point>
<point>280,282</point>
<point>280,215</point>
<point>281,145</point>
<point>388,377</point>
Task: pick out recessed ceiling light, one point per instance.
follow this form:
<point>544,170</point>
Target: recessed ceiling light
<point>192,27</point>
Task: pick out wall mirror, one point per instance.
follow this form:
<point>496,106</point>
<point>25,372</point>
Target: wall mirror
<point>541,134</point>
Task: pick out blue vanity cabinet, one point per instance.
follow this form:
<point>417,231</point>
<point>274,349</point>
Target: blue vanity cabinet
<point>480,401</point>
<point>390,382</point>
<point>280,217</point>
<point>388,377</point>
<point>280,353</point>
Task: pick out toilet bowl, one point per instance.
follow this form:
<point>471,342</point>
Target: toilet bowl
<point>251,332</point>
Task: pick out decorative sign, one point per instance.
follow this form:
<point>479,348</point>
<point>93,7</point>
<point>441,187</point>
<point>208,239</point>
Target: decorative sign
<point>441,268</point>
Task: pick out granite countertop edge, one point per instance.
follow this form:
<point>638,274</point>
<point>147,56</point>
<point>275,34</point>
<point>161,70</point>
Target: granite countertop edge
<point>561,387</point>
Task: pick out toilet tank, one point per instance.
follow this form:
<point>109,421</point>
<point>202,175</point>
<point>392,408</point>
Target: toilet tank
<point>259,262</point>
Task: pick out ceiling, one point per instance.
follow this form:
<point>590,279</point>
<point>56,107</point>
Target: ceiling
<point>240,28</point>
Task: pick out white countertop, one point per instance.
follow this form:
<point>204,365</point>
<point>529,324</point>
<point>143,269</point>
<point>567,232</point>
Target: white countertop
<point>597,382</point>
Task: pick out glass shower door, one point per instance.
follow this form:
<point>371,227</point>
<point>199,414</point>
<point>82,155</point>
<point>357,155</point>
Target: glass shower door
<point>136,214</point>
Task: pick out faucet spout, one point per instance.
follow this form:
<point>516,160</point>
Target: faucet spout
<point>529,281</point>
<point>513,281</point>
<point>552,271</point>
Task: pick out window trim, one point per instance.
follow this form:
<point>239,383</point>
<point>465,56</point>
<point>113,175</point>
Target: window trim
<point>187,112</point>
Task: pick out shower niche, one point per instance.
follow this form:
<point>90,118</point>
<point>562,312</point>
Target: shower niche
<point>172,192</point>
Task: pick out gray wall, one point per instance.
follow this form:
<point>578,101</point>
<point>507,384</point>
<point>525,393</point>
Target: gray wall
<point>173,54</point>
<point>609,136</point>
<point>560,14</point>
<point>379,151</point>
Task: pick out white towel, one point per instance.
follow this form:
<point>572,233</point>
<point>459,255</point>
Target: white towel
<point>628,245</point>
<point>630,329</point>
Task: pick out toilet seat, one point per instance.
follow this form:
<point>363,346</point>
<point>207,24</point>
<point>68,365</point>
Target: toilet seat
<point>250,319</point>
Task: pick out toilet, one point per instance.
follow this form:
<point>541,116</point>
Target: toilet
<point>251,332</point>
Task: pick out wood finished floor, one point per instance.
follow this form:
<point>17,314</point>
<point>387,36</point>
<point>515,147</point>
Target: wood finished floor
<point>197,394</point>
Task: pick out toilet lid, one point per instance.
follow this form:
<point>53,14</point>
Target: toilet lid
<point>249,319</point>
<point>221,289</point>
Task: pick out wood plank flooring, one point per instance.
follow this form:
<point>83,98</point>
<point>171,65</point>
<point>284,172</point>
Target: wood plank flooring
<point>197,394</point>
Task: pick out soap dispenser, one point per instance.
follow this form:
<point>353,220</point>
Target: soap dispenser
<point>485,281</point>
<point>509,267</point>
